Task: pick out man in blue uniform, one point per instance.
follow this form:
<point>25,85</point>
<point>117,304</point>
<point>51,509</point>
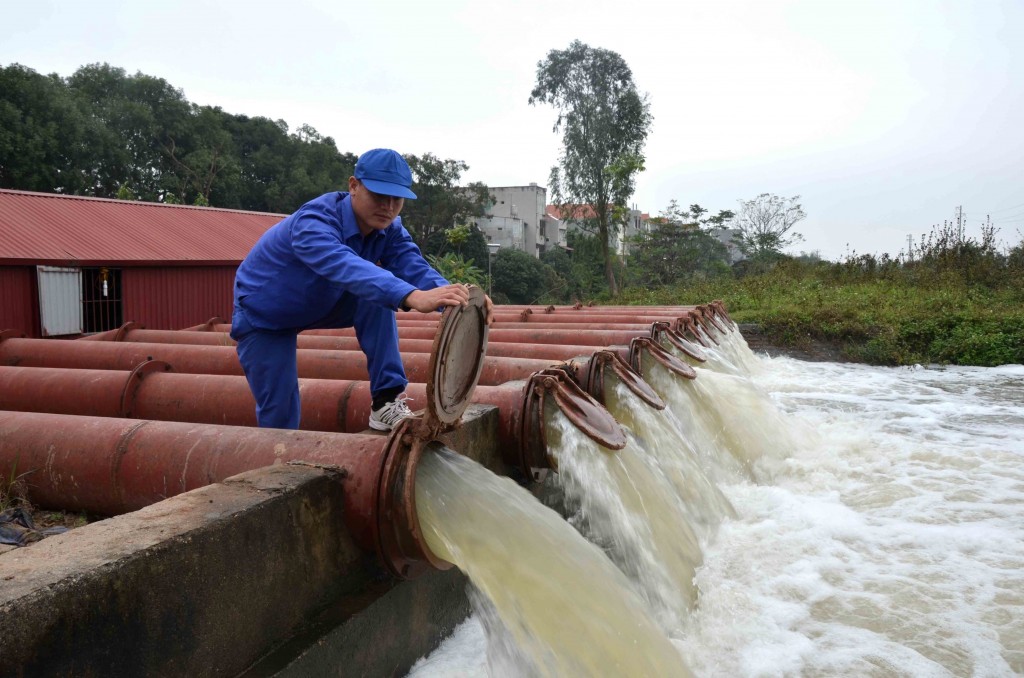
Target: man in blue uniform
<point>341,260</point>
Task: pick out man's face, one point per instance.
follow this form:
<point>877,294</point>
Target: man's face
<point>373,211</point>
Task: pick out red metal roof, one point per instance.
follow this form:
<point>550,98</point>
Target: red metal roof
<point>576,212</point>
<point>64,229</point>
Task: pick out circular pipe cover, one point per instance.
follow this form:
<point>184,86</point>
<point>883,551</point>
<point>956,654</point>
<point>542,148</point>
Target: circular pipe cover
<point>456,360</point>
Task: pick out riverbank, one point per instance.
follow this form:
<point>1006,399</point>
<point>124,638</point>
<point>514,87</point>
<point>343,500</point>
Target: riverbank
<point>810,350</point>
<point>893,317</point>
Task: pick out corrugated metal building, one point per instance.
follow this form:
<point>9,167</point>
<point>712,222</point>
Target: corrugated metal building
<point>72,265</point>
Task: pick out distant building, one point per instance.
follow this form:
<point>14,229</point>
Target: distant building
<point>517,219</point>
<point>636,223</point>
<point>71,265</point>
<point>728,236</point>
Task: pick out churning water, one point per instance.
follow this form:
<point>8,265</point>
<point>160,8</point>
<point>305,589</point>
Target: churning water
<point>554,605</point>
<point>852,520</point>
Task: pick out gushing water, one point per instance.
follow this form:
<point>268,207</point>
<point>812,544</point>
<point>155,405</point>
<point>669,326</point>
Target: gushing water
<point>660,437</point>
<point>734,426</point>
<point>884,535</point>
<point>626,505</point>
<point>553,604</point>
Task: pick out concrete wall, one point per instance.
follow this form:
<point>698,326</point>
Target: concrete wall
<point>253,575</point>
<point>525,203</point>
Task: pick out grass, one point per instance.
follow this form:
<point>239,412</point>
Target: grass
<point>14,494</point>
<point>885,315</point>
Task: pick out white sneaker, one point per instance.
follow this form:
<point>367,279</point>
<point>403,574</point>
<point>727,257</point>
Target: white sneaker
<point>390,414</point>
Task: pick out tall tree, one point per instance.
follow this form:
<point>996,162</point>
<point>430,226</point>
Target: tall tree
<point>766,224</point>
<point>604,123</point>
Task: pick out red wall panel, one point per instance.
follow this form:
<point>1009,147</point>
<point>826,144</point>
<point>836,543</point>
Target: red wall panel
<point>19,300</point>
<point>171,298</point>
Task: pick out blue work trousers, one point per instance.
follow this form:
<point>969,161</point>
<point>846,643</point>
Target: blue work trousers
<point>270,363</point>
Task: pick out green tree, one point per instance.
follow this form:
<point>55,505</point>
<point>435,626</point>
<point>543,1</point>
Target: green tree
<point>522,279</point>
<point>137,114</point>
<point>440,202</point>
<point>467,241</point>
<point>677,249</point>
<point>766,225</point>
<point>281,171</point>
<point>45,136</point>
<point>604,123</point>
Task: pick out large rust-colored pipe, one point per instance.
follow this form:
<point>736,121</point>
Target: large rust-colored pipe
<point>520,349</point>
<point>111,466</point>
<point>715,308</point>
<point>153,392</point>
<point>201,359</point>
<point>638,329</point>
<point>343,339</point>
<point>316,365</point>
<point>638,318</point>
<point>612,322</point>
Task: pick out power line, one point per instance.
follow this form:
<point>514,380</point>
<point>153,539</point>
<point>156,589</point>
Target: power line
<point>1005,209</point>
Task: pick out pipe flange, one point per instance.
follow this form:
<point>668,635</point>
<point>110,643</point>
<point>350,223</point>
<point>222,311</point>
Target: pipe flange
<point>640,345</point>
<point>398,539</point>
<point>688,330</point>
<point>131,385</point>
<point>585,413</point>
<point>708,311</point>
<point>215,320</point>
<point>676,339</point>
<point>702,322</point>
<point>626,374</point>
<point>125,328</point>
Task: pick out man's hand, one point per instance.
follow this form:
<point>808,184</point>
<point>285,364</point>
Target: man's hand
<point>489,305</point>
<point>430,300</point>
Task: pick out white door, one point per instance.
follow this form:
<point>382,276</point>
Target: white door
<point>60,300</point>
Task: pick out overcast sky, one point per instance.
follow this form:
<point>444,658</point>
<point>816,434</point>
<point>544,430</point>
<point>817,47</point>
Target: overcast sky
<point>884,115</point>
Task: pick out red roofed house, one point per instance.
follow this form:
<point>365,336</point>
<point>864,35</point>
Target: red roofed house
<point>637,223</point>
<point>71,265</point>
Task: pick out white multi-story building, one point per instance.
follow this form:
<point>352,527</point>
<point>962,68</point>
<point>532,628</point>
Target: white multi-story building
<point>517,218</point>
<point>637,223</point>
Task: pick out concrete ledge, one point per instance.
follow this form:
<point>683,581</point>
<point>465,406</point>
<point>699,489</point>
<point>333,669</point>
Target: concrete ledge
<point>211,581</point>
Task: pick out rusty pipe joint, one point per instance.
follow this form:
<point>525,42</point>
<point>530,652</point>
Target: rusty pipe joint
<point>708,313</point>
<point>400,544</point>
<point>661,330</point>
<point>555,385</point>
<point>688,330</point>
<point>703,319</point>
<point>591,375</point>
<point>643,346</point>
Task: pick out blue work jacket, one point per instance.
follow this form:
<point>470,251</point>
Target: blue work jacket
<point>311,268</point>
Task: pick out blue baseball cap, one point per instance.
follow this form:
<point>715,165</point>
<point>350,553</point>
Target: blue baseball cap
<point>386,172</point>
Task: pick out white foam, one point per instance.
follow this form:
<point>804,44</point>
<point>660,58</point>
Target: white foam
<point>891,544</point>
